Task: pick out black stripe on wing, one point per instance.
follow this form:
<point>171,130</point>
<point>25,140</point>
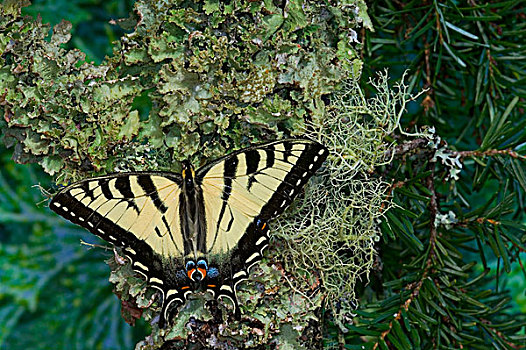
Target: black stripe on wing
<point>269,151</point>
<point>122,184</point>
<point>310,160</point>
<point>252,158</point>
<point>146,183</point>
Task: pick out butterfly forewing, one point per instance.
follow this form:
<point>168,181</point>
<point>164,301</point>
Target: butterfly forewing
<point>144,205</point>
<point>254,183</point>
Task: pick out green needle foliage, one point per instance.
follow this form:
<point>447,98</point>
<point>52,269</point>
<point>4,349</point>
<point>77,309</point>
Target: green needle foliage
<point>410,237</point>
<point>453,242</point>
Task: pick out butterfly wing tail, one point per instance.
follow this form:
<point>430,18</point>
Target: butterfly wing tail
<point>170,305</point>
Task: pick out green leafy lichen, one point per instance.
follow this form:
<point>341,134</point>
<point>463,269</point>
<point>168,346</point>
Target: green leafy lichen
<point>254,56</point>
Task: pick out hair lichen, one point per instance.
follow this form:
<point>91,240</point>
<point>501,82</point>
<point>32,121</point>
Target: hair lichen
<point>330,235</point>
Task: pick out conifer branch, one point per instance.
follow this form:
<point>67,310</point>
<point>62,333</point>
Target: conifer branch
<point>488,153</point>
<point>433,233</point>
<point>407,147</point>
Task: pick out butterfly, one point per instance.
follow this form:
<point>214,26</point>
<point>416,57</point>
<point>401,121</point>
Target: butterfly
<point>199,230</point>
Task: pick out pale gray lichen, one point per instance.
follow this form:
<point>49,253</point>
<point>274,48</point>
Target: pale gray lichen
<point>448,220</point>
<point>451,162</point>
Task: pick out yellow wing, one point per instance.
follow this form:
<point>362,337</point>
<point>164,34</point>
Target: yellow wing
<point>240,193</point>
<point>139,212</point>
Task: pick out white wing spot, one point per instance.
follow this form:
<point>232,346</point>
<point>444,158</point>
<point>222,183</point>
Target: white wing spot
<point>56,204</point>
<point>112,238</point>
<point>311,165</point>
<point>321,151</point>
<point>239,274</point>
<point>251,258</point>
<point>291,192</point>
<point>298,182</point>
<point>283,204</point>
<point>90,224</point>
<point>225,287</point>
<point>316,158</point>
<point>65,209</point>
<point>128,249</point>
<point>141,266</point>
<point>72,214</point>
<point>304,174</point>
<point>81,218</point>
<point>100,230</point>
<point>261,240</point>
<point>171,292</point>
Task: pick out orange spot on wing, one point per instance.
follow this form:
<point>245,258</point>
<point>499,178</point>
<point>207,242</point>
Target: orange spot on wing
<point>264,225</point>
<point>211,285</point>
<point>185,287</point>
<point>189,273</point>
<point>203,272</point>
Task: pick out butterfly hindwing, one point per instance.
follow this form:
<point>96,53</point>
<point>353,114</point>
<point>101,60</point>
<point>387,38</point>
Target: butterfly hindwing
<point>248,251</point>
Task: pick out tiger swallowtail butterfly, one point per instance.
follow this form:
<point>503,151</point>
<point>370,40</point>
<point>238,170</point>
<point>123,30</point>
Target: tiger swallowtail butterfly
<point>199,230</point>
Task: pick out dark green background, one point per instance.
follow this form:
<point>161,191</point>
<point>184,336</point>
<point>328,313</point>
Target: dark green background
<point>49,283</point>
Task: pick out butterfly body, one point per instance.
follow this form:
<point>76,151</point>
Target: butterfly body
<point>199,230</point>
